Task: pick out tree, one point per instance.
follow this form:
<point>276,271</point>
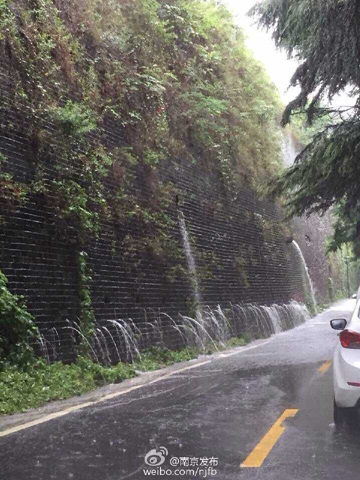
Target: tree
<point>324,36</point>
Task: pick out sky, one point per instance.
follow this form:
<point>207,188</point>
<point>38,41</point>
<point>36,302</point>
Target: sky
<point>276,62</point>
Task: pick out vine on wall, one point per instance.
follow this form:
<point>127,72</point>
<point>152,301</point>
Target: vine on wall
<point>86,317</point>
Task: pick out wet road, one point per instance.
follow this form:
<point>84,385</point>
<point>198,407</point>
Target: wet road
<point>209,419</point>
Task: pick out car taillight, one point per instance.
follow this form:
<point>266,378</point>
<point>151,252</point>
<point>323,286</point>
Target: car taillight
<point>350,339</point>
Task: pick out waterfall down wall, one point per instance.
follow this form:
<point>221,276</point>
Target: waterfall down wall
<point>310,233</point>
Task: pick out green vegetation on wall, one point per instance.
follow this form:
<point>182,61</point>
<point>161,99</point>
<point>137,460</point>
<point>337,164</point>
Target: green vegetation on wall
<point>86,317</point>
<point>172,78</point>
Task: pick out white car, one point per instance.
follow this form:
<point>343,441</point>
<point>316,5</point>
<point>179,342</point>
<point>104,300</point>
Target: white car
<point>347,367</point>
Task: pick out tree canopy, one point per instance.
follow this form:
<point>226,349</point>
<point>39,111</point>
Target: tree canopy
<point>324,36</point>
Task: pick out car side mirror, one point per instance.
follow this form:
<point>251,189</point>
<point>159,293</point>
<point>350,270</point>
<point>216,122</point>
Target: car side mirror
<point>338,324</point>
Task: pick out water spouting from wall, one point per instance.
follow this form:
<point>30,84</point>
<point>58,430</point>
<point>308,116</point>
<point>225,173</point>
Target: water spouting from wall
<point>289,150</point>
<point>259,321</point>
<point>307,277</point>
<point>289,153</point>
<point>190,260</point>
<point>120,340</point>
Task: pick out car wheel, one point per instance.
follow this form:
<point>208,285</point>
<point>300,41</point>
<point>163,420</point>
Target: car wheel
<point>345,417</point>
<point>339,415</point>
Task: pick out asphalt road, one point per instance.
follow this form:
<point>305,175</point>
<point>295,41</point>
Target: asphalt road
<point>209,419</point>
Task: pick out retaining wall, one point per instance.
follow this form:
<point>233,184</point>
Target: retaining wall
<point>251,260</point>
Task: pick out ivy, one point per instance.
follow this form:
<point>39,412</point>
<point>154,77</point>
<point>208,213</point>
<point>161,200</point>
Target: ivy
<point>86,317</point>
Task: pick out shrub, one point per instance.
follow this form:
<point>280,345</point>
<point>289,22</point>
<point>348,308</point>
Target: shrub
<point>17,328</point>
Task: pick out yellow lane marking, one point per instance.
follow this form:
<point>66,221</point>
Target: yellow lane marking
<point>324,367</point>
<point>110,396</point>
<point>263,448</point>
